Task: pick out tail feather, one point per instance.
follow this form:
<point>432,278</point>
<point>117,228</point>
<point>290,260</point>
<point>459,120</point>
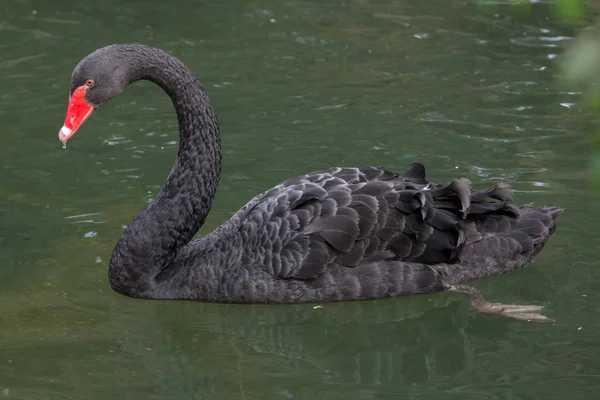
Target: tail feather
<point>503,246</point>
<point>415,173</point>
<point>539,223</point>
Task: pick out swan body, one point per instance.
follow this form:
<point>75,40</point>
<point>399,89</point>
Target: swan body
<point>332,235</point>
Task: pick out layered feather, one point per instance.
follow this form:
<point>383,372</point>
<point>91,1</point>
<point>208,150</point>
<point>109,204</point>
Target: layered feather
<point>351,217</point>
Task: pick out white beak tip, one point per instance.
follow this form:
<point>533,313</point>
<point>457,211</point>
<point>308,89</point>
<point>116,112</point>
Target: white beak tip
<point>64,134</point>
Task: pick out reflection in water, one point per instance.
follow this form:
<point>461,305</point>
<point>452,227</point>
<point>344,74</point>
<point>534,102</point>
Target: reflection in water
<point>338,348</point>
<point>409,347</point>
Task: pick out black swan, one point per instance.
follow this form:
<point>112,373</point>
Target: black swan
<point>332,235</point>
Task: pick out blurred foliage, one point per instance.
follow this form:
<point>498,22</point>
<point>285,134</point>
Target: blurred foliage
<point>568,11</point>
<point>579,66</point>
<point>580,63</point>
<point>571,11</point>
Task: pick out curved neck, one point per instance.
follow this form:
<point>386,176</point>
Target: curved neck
<point>152,239</point>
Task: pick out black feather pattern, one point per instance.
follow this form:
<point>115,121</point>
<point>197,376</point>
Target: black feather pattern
<point>334,234</point>
<point>366,228</point>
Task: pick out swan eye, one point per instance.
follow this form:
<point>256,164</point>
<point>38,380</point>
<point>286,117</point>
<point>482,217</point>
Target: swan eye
<point>89,83</point>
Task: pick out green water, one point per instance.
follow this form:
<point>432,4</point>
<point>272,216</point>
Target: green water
<point>298,86</point>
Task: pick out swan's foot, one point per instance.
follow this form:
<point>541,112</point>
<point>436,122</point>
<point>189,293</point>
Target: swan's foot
<point>521,312</point>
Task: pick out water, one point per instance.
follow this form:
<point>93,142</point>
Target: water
<point>298,86</point>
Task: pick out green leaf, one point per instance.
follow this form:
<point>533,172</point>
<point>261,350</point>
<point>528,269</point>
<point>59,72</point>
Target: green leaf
<point>570,11</point>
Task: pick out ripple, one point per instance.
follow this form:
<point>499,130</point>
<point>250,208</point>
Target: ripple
<point>83,218</point>
<point>542,41</point>
<point>116,140</point>
<point>331,107</point>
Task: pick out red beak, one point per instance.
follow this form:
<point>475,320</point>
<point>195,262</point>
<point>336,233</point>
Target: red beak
<point>78,111</point>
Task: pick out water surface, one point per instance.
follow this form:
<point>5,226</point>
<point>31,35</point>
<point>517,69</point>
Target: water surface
<point>298,86</point>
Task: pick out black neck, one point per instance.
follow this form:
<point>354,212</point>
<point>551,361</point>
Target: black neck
<point>152,240</point>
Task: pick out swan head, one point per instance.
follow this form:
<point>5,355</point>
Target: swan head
<point>97,78</point>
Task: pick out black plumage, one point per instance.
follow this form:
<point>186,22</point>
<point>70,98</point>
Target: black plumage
<point>335,234</point>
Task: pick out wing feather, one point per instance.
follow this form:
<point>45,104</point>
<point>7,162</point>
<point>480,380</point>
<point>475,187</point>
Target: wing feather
<point>351,217</point>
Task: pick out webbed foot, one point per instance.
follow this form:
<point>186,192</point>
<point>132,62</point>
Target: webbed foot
<point>520,312</point>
